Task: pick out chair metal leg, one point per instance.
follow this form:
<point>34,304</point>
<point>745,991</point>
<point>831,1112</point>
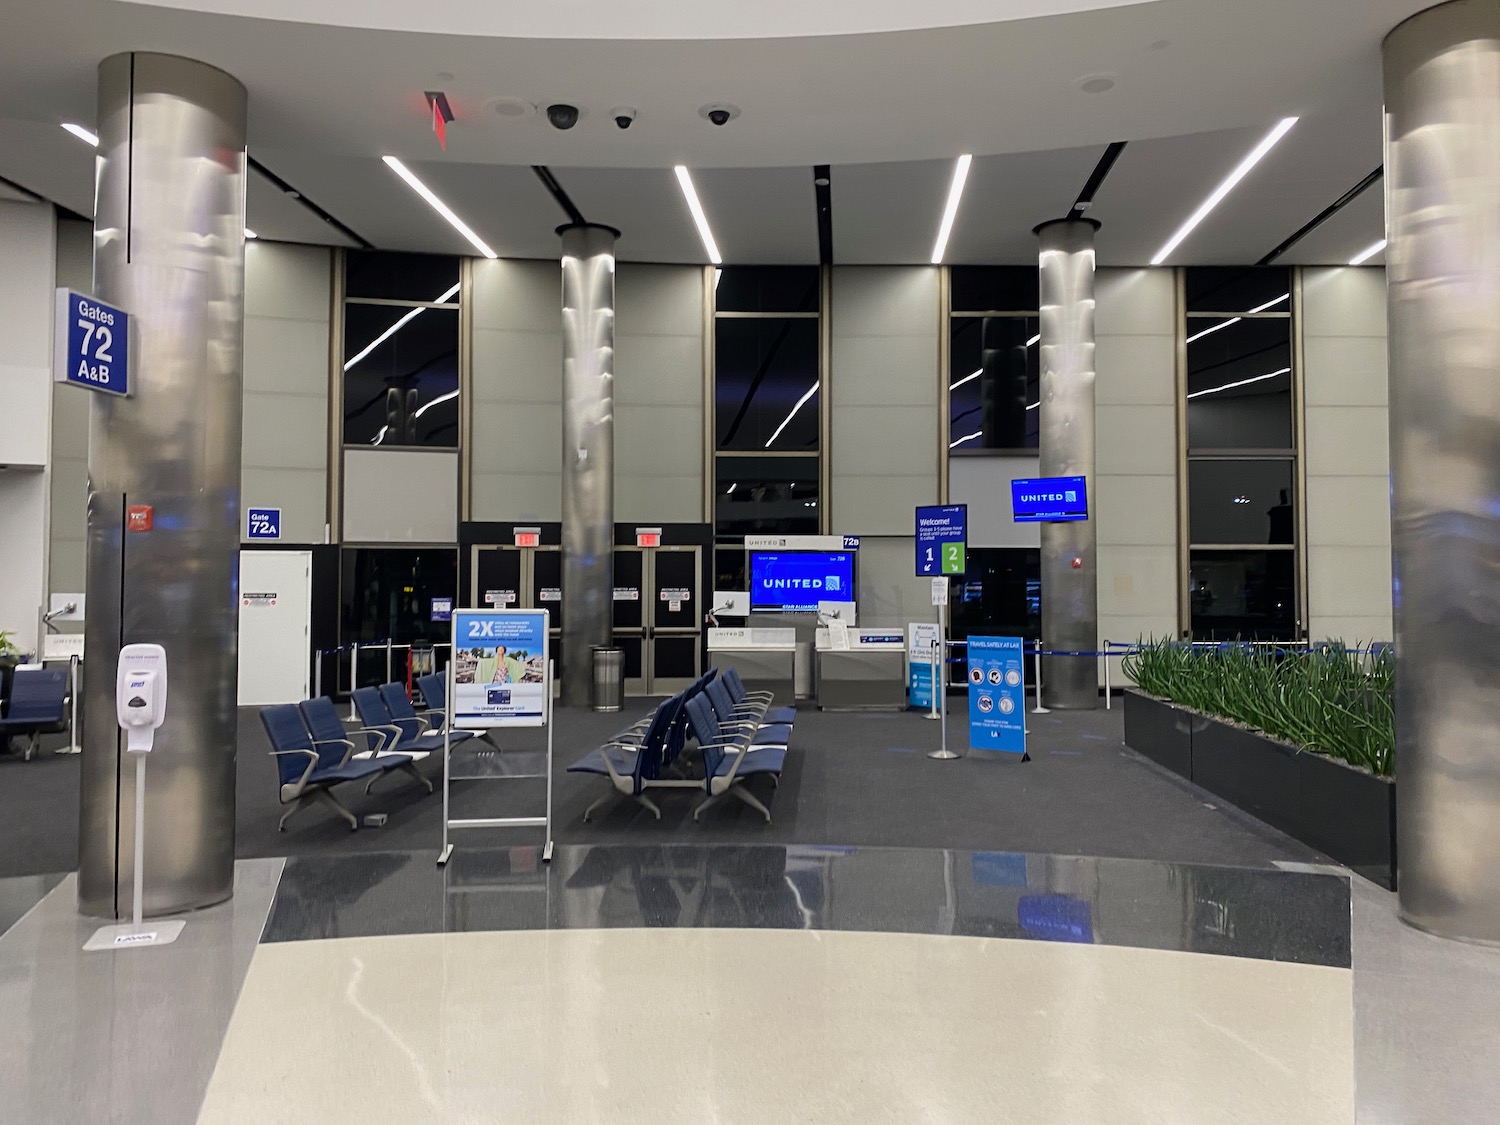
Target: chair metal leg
<point>714,800</point>
<point>750,799</point>
<point>371,783</point>
<point>649,803</point>
<point>410,768</point>
<point>588,812</point>
<point>31,747</point>
<point>337,806</point>
<point>300,802</point>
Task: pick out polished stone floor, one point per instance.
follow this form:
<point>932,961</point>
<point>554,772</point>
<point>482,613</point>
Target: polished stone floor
<point>757,983</point>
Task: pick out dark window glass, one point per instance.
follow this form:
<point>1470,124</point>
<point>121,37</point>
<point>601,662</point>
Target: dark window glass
<point>400,277</point>
<point>388,592</point>
<point>999,594</point>
<point>1238,289</point>
<point>766,368</point>
<point>993,383</point>
<point>404,390</point>
<point>765,496</point>
<point>994,289</point>
<point>767,289</point>
<point>1239,384</point>
<point>1240,502</point>
<point>729,564</point>
<point>1249,595</point>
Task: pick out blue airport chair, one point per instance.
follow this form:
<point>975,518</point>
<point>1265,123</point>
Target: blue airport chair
<point>307,768</point>
<point>376,716</point>
<point>741,695</point>
<point>413,725</point>
<point>729,758</point>
<point>36,706</point>
<point>323,722</point>
<point>630,765</point>
<point>733,718</point>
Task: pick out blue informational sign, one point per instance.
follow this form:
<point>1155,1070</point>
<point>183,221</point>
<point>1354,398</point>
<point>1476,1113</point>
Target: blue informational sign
<point>1049,500</point>
<point>262,523</point>
<point>91,344</point>
<point>442,609</point>
<point>997,695</point>
<point>500,676</point>
<point>942,539</point>
<point>796,581</point>
<point>921,638</point>
<point>851,542</point>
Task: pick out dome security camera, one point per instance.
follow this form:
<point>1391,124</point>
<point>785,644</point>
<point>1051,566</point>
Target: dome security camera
<point>623,116</point>
<point>720,115</point>
<point>562,115</point>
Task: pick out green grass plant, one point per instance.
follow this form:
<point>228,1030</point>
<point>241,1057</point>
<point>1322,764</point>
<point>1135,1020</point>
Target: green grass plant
<point>1331,699</point>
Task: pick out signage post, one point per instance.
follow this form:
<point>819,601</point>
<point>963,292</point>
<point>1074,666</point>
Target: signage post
<point>940,681</point>
<point>500,677</point>
<point>997,695</point>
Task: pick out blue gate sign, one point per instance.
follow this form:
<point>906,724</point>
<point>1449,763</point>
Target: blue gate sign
<point>262,523</point>
<point>942,539</point>
<point>91,344</point>
<point>500,676</point>
<point>997,695</point>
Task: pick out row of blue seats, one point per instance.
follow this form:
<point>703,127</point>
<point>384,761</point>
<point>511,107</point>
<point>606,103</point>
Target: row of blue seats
<point>314,751</point>
<point>34,705</point>
<point>737,732</point>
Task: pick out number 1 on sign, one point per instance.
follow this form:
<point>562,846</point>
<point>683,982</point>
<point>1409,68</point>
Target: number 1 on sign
<point>953,558</point>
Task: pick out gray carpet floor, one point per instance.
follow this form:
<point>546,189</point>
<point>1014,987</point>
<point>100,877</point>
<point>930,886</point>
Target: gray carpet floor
<point>851,779</point>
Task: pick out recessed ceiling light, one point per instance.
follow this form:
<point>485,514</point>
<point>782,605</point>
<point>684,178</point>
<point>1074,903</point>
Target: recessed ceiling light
<point>950,210</point>
<point>514,107</point>
<point>1095,83</point>
<point>690,193</point>
<point>438,205</point>
<point>1268,142</point>
<point>1367,253</point>
<point>82,134</point>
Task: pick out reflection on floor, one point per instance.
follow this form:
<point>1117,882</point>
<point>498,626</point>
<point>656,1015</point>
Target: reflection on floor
<point>730,983</point>
<point>1235,911</point>
<point>705,1025</point>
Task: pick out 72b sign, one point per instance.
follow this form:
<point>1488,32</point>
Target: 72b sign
<point>91,344</point>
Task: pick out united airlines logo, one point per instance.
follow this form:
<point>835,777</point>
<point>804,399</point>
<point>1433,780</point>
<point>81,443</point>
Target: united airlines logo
<point>1068,497</point>
<point>799,583</point>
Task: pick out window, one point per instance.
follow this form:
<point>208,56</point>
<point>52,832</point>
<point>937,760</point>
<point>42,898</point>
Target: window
<point>1242,479</point>
<point>387,592</point>
<point>768,409</point>
<point>994,378</point>
<point>401,332</point>
<point>1000,593</point>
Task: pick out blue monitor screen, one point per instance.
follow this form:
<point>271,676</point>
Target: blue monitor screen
<point>1049,499</point>
<point>796,581</point>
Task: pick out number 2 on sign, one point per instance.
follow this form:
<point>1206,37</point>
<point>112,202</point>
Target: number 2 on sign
<point>953,558</point>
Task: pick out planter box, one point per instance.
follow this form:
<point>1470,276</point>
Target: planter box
<point>1160,731</point>
<point>1344,812</point>
<point>1350,815</point>
<point>1250,770</point>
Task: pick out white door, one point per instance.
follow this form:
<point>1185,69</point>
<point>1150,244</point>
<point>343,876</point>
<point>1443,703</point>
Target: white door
<point>275,615</point>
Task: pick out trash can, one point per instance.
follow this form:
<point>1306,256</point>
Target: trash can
<point>609,678</point>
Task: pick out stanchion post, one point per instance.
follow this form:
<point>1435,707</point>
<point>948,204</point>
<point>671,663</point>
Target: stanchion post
<point>937,664</point>
<point>317,673</point>
<point>353,677</point>
<point>942,753</point>
<point>1037,667</point>
<point>388,660</point>
<point>1106,677</point>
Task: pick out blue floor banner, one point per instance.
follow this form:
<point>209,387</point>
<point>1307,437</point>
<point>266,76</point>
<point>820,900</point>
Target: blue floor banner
<point>997,695</point>
<point>921,639</point>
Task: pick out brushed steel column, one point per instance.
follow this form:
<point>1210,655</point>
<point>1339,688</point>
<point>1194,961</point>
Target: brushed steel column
<point>1070,595</point>
<point>1442,175</point>
<point>169,248</point>
<point>588,441</point>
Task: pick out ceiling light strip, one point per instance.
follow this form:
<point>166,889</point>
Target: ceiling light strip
<point>801,402</point>
<point>950,211</point>
<point>438,205</point>
<point>84,135</point>
<point>690,193</point>
<point>1240,172</point>
<point>966,437</point>
<point>1209,331</point>
<point>1367,253</point>
<point>1240,383</point>
<point>393,329</point>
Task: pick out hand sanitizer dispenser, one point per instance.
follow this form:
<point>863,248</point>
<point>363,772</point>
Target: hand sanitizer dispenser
<point>141,694</point>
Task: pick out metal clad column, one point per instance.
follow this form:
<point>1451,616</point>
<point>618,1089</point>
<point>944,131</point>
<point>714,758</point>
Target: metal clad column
<point>588,469</point>
<point>1442,96</point>
<point>169,248</point>
<point>1070,596</point>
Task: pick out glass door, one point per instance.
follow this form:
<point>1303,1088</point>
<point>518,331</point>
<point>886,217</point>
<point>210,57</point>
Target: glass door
<point>674,617</point>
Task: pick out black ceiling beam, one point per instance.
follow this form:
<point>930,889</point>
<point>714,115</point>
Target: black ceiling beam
<point>823,191</point>
<point>549,181</point>
<point>363,243</point>
<point>1096,178</point>
<point>1324,215</point>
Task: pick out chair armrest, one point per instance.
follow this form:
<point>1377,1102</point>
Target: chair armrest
<point>387,740</point>
<point>337,742</point>
<point>312,764</point>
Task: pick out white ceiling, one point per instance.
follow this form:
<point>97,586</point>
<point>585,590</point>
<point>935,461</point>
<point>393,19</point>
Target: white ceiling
<point>888,111</point>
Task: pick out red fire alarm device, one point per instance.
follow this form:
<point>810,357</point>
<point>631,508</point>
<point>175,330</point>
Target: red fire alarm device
<point>648,537</point>
<point>138,517</point>
<point>528,536</point>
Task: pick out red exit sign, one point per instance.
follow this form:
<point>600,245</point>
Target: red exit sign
<point>528,536</point>
<point>648,537</point>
